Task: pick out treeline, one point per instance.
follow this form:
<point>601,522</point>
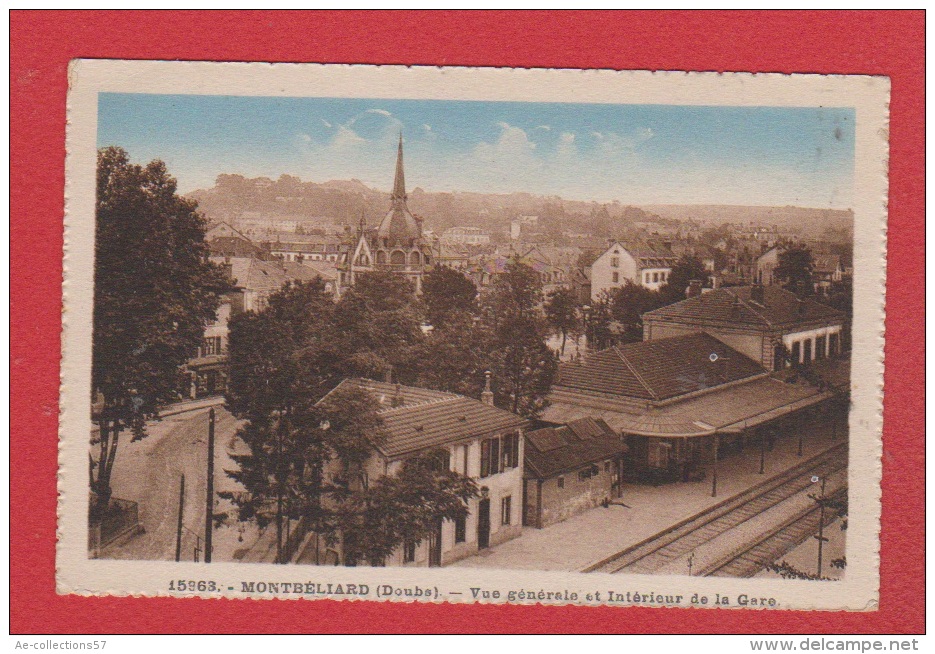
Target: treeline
<point>310,437</point>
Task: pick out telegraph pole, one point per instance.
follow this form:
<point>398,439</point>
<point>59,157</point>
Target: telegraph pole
<point>178,532</point>
<point>821,524</point>
<point>209,508</point>
<point>714,475</point>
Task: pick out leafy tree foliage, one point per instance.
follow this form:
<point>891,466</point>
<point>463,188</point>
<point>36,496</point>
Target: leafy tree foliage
<point>447,293</point>
<point>377,326</point>
<point>308,452</point>
<point>523,366</point>
<point>562,314</point>
<point>628,303</point>
<point>686,269</point>
<point>154,293</point>
<point>406,507</point>
<point>794,270</point>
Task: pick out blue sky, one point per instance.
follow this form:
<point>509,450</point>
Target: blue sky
<point>638,154</point>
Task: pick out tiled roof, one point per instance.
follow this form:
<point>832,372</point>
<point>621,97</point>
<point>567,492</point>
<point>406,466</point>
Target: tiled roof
<point>825,263</point>
<point>659,369</point>
<point>427,418</point>
<point>553,450</point>
<point>735,306</point>
<point>255,275</point>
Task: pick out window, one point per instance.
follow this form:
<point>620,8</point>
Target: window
<point>655,277</point>
<point>211,345</point>
<point>489,457</point>
<point>409,551</point>
<point>616,277</point>
<point>460,529</point>
<point>606,466</point>
<point>658,454</point>
<point>561,482</point>
<point>646,278</point>
<point>615,262</point>
<point>498,454</point>
<point>464,460</point>
<point>506,508</point>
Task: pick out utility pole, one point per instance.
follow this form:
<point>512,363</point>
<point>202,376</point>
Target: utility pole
<point>821,523</point>
<point>714,474</point>
<point>178,531</point>
<point>762,452</point>
<point>209,508</point>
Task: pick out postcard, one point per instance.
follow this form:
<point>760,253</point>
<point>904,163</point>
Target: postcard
<point>473,335</point>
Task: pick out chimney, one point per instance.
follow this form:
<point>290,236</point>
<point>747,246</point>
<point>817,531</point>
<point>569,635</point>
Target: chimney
<point>756,294</point>
<point>694,288</point>
<point>487,396</point>
<point>398,396</point>
<point>735,308</point>
<point>388,374</point>
<point>800,306</point>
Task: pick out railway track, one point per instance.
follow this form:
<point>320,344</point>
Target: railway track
<point>655,552</point>
<point>773,545</point>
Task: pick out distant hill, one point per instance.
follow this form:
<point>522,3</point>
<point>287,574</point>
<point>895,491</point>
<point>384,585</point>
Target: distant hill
<point>235,197</point>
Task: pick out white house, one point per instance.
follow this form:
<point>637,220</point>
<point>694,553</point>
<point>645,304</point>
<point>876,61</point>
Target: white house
<point>646,265</point>
<point>481,441</point>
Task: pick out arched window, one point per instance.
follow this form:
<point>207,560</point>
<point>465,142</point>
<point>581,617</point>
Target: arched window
<point>415,259</point>
<point>381,257</point>
<point>398,258</point>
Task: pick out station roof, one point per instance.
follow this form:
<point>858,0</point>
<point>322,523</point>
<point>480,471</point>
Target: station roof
<point>659,369</point>
<point>736,306</point>
<point>729,409</point>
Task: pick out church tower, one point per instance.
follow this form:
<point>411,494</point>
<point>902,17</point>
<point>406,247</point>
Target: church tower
<point>397,244</point>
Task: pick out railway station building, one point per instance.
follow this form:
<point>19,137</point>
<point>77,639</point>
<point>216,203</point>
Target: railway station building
<point>685,403</point>
<point>569,469</point>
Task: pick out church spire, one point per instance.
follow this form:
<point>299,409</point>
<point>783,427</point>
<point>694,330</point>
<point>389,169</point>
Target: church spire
<point>399,184</point>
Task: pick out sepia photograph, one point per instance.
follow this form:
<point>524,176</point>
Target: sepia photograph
<point>494,334</point>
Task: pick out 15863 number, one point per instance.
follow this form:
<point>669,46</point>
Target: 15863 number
<point>190,585</point>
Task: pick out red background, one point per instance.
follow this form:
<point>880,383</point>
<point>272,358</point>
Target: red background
<point>42,43</point>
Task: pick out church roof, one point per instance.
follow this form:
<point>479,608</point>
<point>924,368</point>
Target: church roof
<point>399,224</point>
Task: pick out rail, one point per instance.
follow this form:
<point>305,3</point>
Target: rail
<point>786,483</point>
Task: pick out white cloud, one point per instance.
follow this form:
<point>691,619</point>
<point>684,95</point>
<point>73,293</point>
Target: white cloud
<point>427,127</point>
<point>382,112</point>
<point>547,128</point>
<point>325,123</point>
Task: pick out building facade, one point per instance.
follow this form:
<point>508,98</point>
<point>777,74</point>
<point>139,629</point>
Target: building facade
<point>770,325</point>
<point>481,442</point>
<point>645,265</point>
<point>569,469</point>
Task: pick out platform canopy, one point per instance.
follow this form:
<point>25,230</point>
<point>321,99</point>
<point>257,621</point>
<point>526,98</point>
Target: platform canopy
<point>728,409</point>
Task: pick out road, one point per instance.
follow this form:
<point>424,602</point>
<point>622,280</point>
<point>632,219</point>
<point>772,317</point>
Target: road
<point>149,471</point>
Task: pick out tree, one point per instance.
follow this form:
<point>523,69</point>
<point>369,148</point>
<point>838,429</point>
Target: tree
<point>522,364</point>
<point>627,305</point>
<point>686,269</point>
<point>279,367</point>
<point>455,357</point>
<point>561,312</point>
<point>406,507</point>
<point>794,269</point>
<point>446,292</point>
<point>378,326</point>
<point>308,453</point>
<point>154,293</point>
